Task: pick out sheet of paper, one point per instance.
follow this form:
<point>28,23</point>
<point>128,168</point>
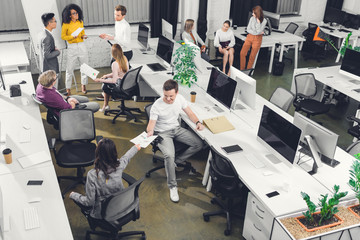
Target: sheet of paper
<point>77,32</point>
<point>33,159</point>
<point>89,71</point>
<point>25,135</point>
<point>143,139</point>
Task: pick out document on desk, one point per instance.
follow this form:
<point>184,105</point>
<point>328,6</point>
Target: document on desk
<point>143,139</point>
<point>77,32</point>
<point>89,71</point>
<point>218,124</point>
<point>33,159</point>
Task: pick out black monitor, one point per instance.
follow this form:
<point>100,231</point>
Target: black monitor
<point>351,20</point>
<point>268,28</point>
<point>350,65</point>
<point>279,136</point>
<point>221,87</point>
<point>334,15</point>
<point>2,81</point>
<point>143,35</point>
<point>165,49</point>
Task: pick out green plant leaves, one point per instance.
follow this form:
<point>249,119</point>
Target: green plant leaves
<point>354,180</point>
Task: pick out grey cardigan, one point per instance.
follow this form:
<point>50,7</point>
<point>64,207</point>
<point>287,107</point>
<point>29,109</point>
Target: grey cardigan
<point>48,54</point>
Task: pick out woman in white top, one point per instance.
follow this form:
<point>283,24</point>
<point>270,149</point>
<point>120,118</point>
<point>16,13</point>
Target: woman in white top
<point>255,29</point>
<point>119,67</point>
<point>190,35</point>
<point>225,41</point>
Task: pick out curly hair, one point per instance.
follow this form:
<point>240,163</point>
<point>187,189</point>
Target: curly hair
<point>66,14</point>
<point>106,157</point>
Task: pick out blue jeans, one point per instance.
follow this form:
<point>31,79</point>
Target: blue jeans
<point>167,147</point>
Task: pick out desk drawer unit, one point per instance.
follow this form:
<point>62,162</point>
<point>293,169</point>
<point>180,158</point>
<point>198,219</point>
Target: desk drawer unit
<point>258,220</point>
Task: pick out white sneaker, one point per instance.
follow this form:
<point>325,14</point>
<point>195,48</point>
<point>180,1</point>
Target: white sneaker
<point>104,109</point>
<point>174,196</point>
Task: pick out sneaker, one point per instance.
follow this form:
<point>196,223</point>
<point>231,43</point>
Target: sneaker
<point>100,98</point>
<point>174,196</point>
<point>104,109</point>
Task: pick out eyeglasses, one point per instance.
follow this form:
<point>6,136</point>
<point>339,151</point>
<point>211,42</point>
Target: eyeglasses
<point>74,13</point>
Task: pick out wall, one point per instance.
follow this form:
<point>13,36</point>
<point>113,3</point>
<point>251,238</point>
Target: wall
<point>351,6</point>
<point>218,12</point>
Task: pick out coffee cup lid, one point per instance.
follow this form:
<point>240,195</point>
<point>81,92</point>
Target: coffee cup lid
<point>6,151</point>
<point>192,92</point>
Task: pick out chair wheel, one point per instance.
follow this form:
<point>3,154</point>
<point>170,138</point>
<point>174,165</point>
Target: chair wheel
<point>212,201</point>
<point>193,170</point>
<point>143,237</point>
<point>206,218</point>
<point>147,175</point>
<point>227,232</point>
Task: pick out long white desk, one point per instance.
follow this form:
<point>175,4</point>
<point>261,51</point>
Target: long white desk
<point>13,56</point>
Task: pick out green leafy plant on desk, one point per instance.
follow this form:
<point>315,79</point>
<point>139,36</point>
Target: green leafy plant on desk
<point>354,183</point>
<point>184,64</point>
<point>345,45</point>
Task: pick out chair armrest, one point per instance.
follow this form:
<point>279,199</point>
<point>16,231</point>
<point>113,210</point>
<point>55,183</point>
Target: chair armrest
<point>52,143</point>
<point>353,119</point>
<point>129,179</point>
<point>98,138</point>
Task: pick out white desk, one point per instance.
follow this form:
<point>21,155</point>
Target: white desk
<point>13,56</point>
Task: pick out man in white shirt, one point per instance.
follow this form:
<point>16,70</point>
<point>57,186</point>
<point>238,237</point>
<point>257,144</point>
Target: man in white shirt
<point>122,31</point>
<point>164,122</point>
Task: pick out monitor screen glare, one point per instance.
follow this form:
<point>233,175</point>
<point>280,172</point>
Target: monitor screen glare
<point>165,49</point>
<point>143,35</point>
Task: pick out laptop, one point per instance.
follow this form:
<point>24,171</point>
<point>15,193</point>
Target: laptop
<point>163,53</point>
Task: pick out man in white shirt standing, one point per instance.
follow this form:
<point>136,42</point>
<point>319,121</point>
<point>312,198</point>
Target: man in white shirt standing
<point>164,122</point>
<point>122,31</point>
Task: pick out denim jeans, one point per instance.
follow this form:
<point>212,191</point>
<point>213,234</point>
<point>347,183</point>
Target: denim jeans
<point>167,147</point>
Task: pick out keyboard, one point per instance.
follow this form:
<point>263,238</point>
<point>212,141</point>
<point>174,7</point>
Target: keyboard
<point>156,67</point>
<point>344,30</point>
<point>277,30</point>
<point>328,28</point>
<point>255,160</point>
<point>31,218</point>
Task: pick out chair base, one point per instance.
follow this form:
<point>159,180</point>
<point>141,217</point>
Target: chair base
<point>115,235</point>
<point>78,179</point>
<point>122,111</point>
<point>185,165</point>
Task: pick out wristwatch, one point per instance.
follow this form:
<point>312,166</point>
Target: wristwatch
<point>197,122</point>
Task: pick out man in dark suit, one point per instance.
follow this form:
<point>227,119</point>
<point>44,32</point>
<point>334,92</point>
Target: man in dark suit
<point>48,51</point>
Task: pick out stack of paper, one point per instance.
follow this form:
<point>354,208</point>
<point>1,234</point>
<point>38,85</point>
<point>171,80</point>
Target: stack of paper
<point>77,32</point>
<point>143,139</point>
<point>89,71</point>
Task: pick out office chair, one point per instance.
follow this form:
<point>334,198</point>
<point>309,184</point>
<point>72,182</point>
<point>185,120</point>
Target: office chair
<point>282,98</point>
<point>179,147</point>
<point>117,210</point>
<point>305,91</point>
<point>354,148</point>
<point>76,131</point>
<point>125,89</point>
<point>354,130</point>
<point>312,49</point>
<point>227,185</point>
<point>291,28</point>
<point>51,117</point>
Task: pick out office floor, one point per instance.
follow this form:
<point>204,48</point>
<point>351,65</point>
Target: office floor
<point>160,218</point>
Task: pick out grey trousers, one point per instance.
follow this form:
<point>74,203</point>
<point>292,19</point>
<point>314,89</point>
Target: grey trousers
<point>167,147</point>
<point>93,106</point>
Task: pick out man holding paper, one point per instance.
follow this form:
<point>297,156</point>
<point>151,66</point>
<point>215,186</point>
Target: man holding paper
<point>164,122</point>
<point>73,32</point>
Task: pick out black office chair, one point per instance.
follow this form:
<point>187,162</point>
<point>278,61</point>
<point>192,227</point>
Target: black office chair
<point>179,147</point>
<point>291,28</point>
<point>354,148</point>
<point>51,117</point>
<point>312,49</point>
<point>282,98</point>
<point>354,130</point>
<point>228,186</point>
<point>305,91</point>
<point>76,131</point>
<point>125,89</point>
<point>116,211</point>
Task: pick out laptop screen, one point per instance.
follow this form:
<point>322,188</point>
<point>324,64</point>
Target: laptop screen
<point>165,49</point>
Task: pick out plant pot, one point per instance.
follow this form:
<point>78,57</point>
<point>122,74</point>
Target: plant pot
<point>350,209</point>
<point>320,227</point>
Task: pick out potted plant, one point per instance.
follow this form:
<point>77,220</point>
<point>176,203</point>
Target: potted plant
<point>326,217</point>
<point>354,182</point>
<point>184,64</point>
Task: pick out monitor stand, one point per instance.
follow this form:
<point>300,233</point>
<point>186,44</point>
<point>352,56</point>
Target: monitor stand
<point>272,158</point>
<point>218,109</point>
<point>315,153</point>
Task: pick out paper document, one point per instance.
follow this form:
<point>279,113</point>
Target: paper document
<point>143,139</point>
<point>77,32</point>
<point>33,159</point>
<point>89,71</point>
<point>218,124</point>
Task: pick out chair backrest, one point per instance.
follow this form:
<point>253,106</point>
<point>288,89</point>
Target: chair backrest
<point>147,111</point>
<point>305,85</point>
<point>249,71</point>
<point>282,98</point>
<point>129,83</point>
<point>354,148</point>
<point>122,203</point>
<point>76,124</point>
<point>33,96</point>
<point>291,28</point>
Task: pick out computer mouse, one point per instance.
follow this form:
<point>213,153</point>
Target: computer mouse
<point>22,82</point>
<point>331,30</point>
<point>26,126</point>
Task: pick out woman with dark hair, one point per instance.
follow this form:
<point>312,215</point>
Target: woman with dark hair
<point>190,35</point>
<point>255,28</point>
<point>105,178</point>
<point>225,41</point>
<point>119,67</point>
<point>72,22</point>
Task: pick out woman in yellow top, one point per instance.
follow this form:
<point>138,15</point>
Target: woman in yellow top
<point>72,22</point>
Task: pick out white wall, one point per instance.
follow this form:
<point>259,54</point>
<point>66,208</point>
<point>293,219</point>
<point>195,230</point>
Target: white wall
<point>217,13</point>
<point>313,11</point>
<point>189,9</point>
<point>351,6</point>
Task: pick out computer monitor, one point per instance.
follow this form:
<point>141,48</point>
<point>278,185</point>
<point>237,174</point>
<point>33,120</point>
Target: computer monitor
<point>143,36</point>
<point>279,136</point>
<point>333,15</point>
<point>351,20</point>
<point>166,29</point>
<point>165,49</point>
<point>268,28</point>
<point>221,87</point>
<point>2,82</point>
<point>245,89</point>
<point>350,65</point>
<point>324,139</point>
<point>274,19</point>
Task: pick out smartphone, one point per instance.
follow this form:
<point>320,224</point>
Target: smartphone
<point>232,149</point>
<point>35,182</point>
<point>272,194</point>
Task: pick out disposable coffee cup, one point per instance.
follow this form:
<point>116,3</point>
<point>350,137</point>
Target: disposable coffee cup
<point>234,27</point>
<point>192,96</point>
<point>7,155</point>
